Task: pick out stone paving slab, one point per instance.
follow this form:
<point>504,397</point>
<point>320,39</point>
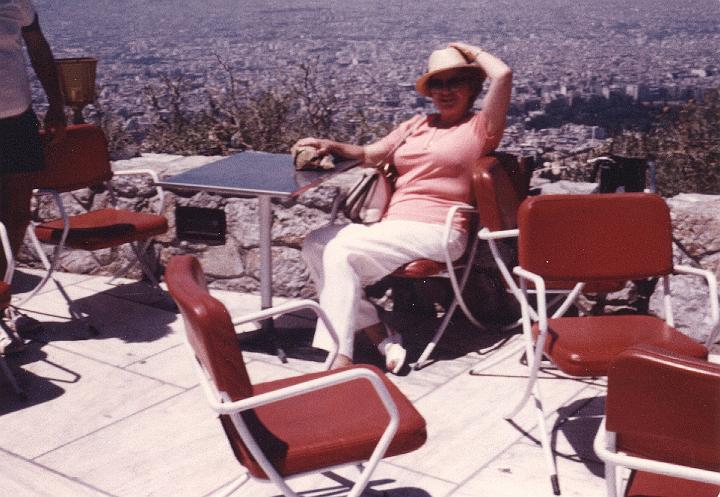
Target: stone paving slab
<point>121,414</point>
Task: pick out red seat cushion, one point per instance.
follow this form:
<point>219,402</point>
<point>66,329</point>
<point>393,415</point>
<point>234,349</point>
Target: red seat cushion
<point>585,346</point>
<point>103,228</point>
<point>644,484</point>
<point>421,268</point>
<point>332,426</point>
<point>5,295</point>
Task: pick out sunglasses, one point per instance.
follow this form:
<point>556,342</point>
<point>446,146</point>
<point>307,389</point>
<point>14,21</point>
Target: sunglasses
<point>452,84</point>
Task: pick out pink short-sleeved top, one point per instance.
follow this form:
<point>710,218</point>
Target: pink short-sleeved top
<point>434,166</point>
<point>14,85</point>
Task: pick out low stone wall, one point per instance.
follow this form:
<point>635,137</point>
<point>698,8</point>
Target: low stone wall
<point>696,231</point>
<point>235,265</point>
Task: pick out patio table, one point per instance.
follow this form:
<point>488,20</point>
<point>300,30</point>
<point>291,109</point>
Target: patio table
<point>262,175</point>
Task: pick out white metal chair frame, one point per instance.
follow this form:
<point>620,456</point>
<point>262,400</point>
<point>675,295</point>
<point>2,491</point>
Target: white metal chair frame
<point>606,449</point>
<point>137,247</point>
<point>535,353</point>
<point>221,404</point>
<point>7,278</point>
<point>490,237</point>
<point>458,285</point>
<point>451,270</point>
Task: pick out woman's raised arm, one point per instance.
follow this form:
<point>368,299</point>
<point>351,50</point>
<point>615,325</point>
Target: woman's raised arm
<point>497,99</point>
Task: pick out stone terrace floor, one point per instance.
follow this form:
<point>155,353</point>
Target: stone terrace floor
<point>121,413</point>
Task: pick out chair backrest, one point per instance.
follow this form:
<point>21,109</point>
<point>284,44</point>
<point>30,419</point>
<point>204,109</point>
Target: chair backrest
<point>79,161</point>
<point>665,407</point>
<point>211,335</point>
<point>500,182</point>
<point>596,237</point>
<point>208,327</point>
<point>519,169</point>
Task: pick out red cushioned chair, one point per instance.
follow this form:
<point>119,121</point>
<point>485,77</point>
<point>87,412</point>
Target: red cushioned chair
<point>5,299</point>
<point>307,423</point>
<point>519,169</point>
<point>586,238</point>
<point>82,161</point>
<point>662,421</point>
<point>499,191</point>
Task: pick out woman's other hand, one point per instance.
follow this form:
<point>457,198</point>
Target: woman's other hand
<point>55,124</point>
<point>323,146</point>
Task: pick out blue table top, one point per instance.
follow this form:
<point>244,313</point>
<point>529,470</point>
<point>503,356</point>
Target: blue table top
<point>252,173</point>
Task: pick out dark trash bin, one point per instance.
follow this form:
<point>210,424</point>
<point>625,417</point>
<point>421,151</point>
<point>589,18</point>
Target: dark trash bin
<point>618,173</point>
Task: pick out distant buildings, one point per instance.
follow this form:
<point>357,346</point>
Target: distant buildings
<point>370,61</point>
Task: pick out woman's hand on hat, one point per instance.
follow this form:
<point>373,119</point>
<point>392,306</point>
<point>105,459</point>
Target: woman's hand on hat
<point>470,52</point>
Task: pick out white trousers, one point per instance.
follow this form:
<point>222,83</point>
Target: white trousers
<point>343,259</point>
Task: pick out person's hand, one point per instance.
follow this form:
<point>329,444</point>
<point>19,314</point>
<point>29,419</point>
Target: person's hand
<point>323,146</point>
<point>470,52</point>
<point>55,124</point>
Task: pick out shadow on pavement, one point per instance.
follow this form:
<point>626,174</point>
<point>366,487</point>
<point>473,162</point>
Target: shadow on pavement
<point>39,389</point>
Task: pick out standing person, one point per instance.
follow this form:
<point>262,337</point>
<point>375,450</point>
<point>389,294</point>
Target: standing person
<point>433,163</point>
<point>21,151</point>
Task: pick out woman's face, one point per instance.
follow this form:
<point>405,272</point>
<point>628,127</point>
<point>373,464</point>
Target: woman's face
<point>451,92</point>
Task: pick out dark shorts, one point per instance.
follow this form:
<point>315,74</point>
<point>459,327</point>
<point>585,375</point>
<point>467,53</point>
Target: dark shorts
<point>20,146</point>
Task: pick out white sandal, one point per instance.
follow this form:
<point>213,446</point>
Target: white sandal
<point>395,354</point>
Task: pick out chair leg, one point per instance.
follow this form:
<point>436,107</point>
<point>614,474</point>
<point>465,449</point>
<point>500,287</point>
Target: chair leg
<point>611,479</point>
<point>536,357</point>
<point>49,266</point>
<point>533,390</point>
<point>140,256</point>
<point>545,441</point>
<point>139,251</point>
<point>421,362</point>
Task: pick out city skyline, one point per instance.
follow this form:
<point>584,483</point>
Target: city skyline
<point>370,52</point>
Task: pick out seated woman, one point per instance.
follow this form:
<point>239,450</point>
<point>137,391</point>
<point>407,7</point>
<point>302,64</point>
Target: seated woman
<point>433,160</point>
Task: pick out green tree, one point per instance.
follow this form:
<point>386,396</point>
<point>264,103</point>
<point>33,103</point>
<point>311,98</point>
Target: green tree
<point>686,146</point>
<point>270,119</point>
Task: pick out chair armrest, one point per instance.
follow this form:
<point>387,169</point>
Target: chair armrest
<point>50,266</point>
<point>539,283</point>
<point>61,208</point>
<point>458,286</point>
<point>664,407</point>
<point>447,230</point>
<point>290,307</point>
<point>343,376</point>
<point>713,304</point>
<point>155,179</point>
<point>604,447</point>
<point>340,377</point>
<point>486,234</point>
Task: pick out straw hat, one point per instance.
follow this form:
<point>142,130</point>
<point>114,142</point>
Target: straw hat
<point>444,60</point>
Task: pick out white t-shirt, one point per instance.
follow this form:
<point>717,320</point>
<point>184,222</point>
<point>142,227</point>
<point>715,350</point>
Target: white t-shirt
<point>14,85</point>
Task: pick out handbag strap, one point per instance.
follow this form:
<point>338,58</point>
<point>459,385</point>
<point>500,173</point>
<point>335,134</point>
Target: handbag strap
<point>381,164</point>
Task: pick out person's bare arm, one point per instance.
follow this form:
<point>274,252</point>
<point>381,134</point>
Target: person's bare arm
<point>324,146</point>
<point>43,63</point>
<point>497,99</point>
